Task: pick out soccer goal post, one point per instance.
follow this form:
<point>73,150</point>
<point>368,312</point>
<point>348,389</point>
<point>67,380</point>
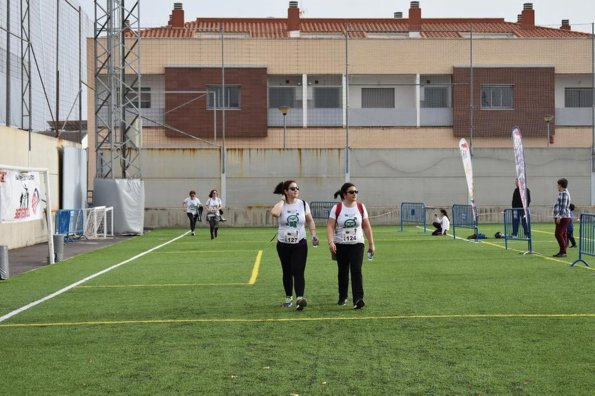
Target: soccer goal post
<point>23,190</point>
<point>99,222</point>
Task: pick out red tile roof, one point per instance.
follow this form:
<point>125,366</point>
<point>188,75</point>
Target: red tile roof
<point>430,28</point>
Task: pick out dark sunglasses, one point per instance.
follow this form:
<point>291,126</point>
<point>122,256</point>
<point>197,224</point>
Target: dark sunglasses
<point>353,192</point>
<point>294,188</point>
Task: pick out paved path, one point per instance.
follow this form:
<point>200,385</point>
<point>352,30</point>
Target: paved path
<point>32,257</point>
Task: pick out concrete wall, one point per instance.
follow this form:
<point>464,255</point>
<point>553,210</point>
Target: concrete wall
<point>44,153</point>
<point>385,177</point>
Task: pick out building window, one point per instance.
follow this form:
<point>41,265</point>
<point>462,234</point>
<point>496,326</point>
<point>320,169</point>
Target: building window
<point>232,96</point>
<point>145,99</point>
<point>578,97</point>
<point>327,97</point>
<point>281,96</point>
<point>378,98</point>
<point>435,97</point>
<point>497,97</point>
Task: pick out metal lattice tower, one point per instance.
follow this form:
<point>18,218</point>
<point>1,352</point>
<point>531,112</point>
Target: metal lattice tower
<point>25,65</point>
<point>117,89</point>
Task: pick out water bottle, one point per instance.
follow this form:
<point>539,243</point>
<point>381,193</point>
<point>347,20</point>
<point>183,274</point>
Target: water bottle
<point>315,241</point>
<point>370,255</point>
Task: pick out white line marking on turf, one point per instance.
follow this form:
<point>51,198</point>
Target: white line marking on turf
<point>159,285</point>
<point>484,242</point>
<point>306,319</point>
<point>75,284</point>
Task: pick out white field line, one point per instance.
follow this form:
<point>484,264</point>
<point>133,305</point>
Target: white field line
<point>521,251</point>
<point>88,278</point>
<point>325,318</point>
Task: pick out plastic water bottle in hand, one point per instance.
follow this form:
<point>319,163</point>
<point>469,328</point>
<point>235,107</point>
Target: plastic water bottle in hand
<point>315,241</point>
<point>370,255</point>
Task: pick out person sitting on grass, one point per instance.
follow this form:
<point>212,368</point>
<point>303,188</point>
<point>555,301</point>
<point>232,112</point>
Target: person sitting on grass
<point>442,223</point>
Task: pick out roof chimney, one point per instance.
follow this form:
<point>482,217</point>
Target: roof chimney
<point>519,18</point>
<point>176,19</point>
<point>565,24</point>
<point>398,15</point>
<point>414,17</point>
<point>293,17</point>
<point>528,16</point>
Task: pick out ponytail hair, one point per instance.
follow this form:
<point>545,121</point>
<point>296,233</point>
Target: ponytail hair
<point>282,187</point>
<point>444,213</point>
<point>343,191</point>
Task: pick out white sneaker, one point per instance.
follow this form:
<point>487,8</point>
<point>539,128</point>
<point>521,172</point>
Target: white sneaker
<point>288,303</point>
<point>192,233</point>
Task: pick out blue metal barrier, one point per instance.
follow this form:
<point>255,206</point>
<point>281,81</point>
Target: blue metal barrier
<point>517,227</point>
<point>462,217</point>
<point>586,239</point>
<point>70,223</point>
<point>413,213</point>
<point>321,209</point>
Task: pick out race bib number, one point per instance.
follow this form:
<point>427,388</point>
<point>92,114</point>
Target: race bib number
<point>291,236</point>
<point>349,236</point>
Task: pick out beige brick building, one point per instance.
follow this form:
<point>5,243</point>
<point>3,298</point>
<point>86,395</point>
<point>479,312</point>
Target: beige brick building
<point>383,102</point>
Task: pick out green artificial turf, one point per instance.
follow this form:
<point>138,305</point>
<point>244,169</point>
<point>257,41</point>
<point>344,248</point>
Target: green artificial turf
<point>442,317</point>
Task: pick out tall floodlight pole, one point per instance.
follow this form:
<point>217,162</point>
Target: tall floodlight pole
<point>592,113</point>
<point>223,106</point>
<point>346,90</point>
<point>117,88</point>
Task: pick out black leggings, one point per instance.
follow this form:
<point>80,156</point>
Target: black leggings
<point>350,258</point>
<point>213,226</point>
<point>293,263</point>
<point>192,217</point>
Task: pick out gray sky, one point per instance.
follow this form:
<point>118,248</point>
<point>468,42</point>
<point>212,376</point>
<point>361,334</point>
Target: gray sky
<point>581,13</point>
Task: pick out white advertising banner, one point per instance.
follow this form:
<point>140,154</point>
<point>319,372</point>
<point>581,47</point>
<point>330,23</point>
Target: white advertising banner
<point>519,159</point>
<point>468,167</point>
<point>20,196</point>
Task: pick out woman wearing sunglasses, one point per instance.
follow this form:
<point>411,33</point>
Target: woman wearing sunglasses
<point>347,224</point>
<point>292,248</point>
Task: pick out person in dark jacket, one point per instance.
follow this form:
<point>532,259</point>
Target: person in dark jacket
<point>518,215</point>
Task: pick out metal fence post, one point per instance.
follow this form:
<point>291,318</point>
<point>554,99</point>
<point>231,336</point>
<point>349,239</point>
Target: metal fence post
<point>4,273</point>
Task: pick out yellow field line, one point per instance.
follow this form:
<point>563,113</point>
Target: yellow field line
<point>252,281</point>
<point>256,268</point>
<point>303,319</point>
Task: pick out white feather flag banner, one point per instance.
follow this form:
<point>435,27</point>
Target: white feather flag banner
<point>468,167</point>
<point>519,159</point>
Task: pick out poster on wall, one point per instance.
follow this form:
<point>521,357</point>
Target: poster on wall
<point>20,196</point>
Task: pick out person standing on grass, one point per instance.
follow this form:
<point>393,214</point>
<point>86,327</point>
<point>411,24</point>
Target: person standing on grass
<point>345,229</point>
<point>293,214</point>
<point>562,216</point>
<point>193,209</point>
<point>518,214</point>
<point>214,208</point>
<point>570,229</point>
